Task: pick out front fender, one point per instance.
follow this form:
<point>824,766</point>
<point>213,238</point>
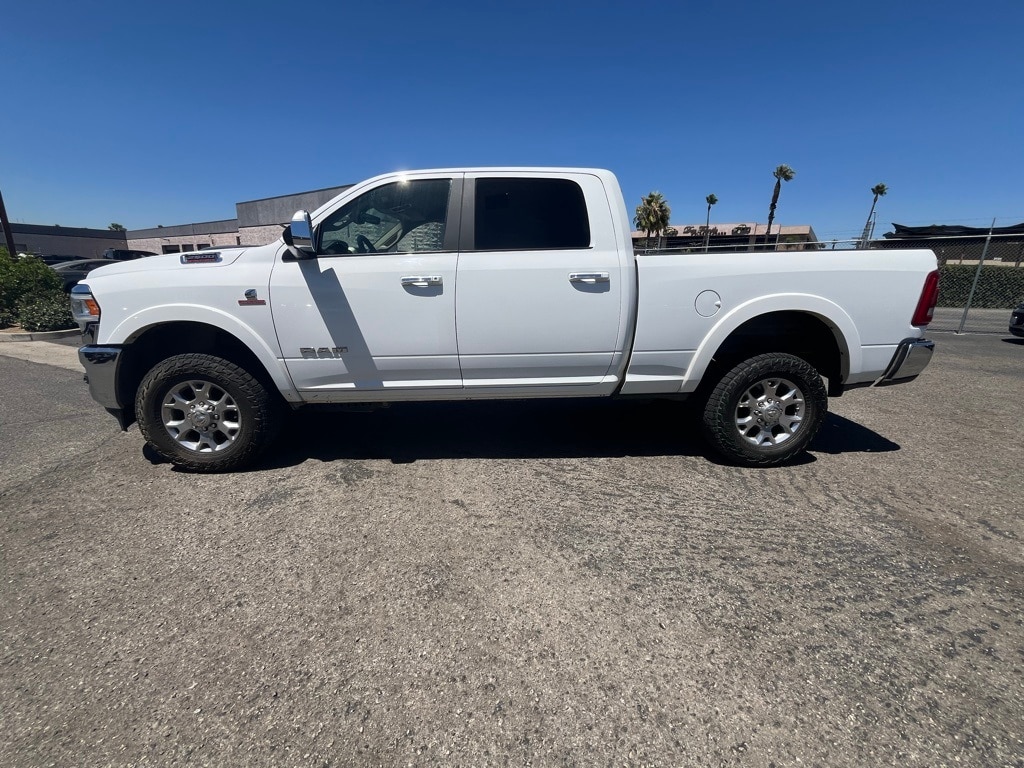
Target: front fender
<point>254,334</point>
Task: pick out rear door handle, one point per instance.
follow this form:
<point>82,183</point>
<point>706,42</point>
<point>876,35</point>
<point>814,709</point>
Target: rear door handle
<point>588,277</point>
<point>421,281</point>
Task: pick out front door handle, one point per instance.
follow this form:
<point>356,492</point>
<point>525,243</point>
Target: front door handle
<point>590,278</point>
<point>421,281</point>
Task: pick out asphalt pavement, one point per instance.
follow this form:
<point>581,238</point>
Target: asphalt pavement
<point>570,583</point>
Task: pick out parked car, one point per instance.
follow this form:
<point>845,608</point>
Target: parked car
<point>121,254</point>
<point>49,260</point>
<point>73,271</point>
<point>1017,321</point>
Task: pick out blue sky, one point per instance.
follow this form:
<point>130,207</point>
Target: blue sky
<point>147,114</point>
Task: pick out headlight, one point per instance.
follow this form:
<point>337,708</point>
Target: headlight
<point>84,308</point>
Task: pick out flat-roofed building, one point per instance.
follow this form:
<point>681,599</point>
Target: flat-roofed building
<point>258,222</point>
<point>740,236</point>
<point>73,242</point>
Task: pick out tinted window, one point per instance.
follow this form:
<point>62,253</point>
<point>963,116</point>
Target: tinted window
<point>530,214</point>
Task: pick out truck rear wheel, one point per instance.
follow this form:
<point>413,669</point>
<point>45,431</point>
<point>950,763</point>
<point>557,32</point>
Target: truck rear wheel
<point>765,410</point>
<point>204,413</point>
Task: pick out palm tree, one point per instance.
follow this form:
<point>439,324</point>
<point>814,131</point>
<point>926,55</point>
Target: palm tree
<point>710,200</point>
<point>781,174</point>
<point>652,215</point>
<point>879,190</point>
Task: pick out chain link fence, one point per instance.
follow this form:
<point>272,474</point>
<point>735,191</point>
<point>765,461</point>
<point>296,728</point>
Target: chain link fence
<point>981,278</point>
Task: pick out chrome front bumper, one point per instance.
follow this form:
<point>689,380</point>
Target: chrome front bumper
<point>100,365</point>
<point>912,356</point>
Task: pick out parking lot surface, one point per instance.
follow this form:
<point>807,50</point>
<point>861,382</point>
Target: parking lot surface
<point>525,584</point>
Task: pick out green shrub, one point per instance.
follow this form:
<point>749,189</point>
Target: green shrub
<point>22,280</point>
<point>998,287</point>
<point>50,311</point>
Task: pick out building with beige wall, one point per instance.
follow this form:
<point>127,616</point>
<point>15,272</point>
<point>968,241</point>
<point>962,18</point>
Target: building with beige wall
<point>741,236</point>
<point>258,222</point>
<point>185,237</point>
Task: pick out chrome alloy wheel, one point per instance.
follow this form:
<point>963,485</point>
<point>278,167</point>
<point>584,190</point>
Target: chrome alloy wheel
<point>201,416</point>
<point>770,412</point>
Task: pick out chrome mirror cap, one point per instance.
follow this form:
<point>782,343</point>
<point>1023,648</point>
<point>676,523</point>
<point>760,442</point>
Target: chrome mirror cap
<point>301,230</point>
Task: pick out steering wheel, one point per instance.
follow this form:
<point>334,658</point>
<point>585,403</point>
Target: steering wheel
<point>364,245</point>
<point>338,246</point>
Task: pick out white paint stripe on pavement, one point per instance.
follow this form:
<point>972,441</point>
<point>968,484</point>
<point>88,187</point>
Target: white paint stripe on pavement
<point>43,352</point>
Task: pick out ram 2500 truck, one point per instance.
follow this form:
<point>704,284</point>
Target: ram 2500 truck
<point>492,283</point>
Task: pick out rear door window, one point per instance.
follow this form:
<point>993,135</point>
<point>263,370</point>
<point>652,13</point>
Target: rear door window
<point>530,214</point>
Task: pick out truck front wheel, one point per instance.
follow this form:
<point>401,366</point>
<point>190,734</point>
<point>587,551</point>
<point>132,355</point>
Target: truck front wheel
<point>204,413</point>
<point>765,410</point>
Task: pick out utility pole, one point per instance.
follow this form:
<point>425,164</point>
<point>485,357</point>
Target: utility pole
<point>8,235</point>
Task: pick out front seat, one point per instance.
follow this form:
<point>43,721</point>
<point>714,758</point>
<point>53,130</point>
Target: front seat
<point>428,236</point>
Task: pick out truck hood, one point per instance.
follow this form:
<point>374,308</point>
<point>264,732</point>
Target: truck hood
<point>208,259</point>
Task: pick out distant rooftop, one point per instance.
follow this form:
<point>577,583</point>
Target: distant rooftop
<point>740,229</point>
<point>901,232</point>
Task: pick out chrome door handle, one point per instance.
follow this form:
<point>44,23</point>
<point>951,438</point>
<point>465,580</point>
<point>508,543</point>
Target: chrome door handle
<point>588,277</point>
<point>421,281</point>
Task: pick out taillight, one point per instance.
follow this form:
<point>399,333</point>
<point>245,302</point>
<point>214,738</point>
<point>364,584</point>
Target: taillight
<point>926,304</point>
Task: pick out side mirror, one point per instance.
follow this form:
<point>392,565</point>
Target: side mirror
<point>299,234</point>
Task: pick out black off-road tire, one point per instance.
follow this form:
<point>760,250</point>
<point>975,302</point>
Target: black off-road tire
<point>224,393</point>
<point>778,424</point>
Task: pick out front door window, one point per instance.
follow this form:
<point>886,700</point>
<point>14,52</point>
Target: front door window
<point>402,217</point>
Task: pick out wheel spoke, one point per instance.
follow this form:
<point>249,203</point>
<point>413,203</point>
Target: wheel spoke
<point>187,438</point>
<point>224,407</point>
<point>201,388</point>
<point>790,423</point>
<point>229,428</point>
<point>175,400</point>
<point>792,398</point>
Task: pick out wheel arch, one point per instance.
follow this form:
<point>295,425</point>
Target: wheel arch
<point>150,344</point>
<point>810,327</point>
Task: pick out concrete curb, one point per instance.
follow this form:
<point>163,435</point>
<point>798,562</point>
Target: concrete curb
<point>7,335</point>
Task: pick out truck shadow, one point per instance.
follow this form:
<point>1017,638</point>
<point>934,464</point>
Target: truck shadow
<point>576,428</point>
<point>840,435</point>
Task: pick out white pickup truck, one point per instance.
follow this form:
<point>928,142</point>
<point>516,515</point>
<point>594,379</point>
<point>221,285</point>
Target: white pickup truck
<point>492,283</point>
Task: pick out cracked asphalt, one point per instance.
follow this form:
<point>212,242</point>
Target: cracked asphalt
<point>524,584</point>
